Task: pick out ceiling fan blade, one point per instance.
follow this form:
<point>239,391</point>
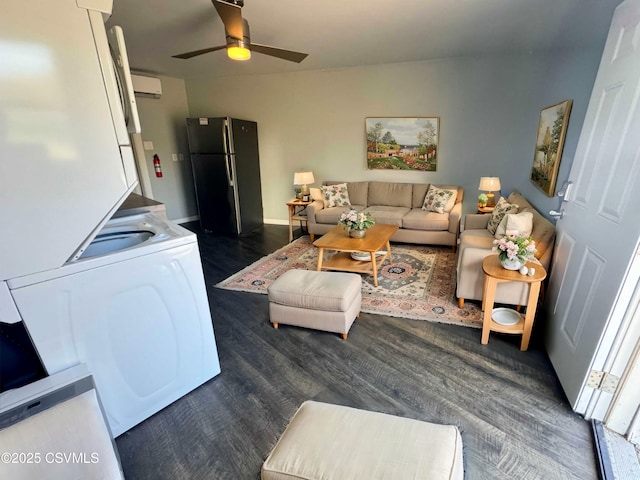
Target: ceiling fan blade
<point>279,53</point>
<point>231,17</point>
<point>195,53</point>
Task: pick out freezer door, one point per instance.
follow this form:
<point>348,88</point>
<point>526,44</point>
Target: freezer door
<point>212,175</point>
<point>207,135</point>
<point>244,140</point>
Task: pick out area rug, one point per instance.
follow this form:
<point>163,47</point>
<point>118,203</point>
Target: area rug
<point>419,283</point>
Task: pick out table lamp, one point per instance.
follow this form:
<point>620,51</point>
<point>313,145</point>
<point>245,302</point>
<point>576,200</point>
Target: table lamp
<point>490,185</point>
<point>303,179</point>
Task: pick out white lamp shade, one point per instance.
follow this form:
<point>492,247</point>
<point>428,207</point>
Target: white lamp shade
<point>303,178</point>
<point>489,184</point>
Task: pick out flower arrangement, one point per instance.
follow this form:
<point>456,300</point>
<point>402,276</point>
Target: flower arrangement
<point>514,246</point>
<point>354,220</point>
<point>482,200</point>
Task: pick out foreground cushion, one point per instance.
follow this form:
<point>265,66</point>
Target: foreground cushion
<point>324,441</point>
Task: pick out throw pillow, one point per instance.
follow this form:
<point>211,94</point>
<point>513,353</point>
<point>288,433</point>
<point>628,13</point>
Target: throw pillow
<point>502,208</point>
<point>521,222</point>
<point>439,200</point>
<point>335,195</point>
<point>316,194</point>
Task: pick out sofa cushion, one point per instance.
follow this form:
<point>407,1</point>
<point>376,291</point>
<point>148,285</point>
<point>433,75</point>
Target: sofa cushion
<point>521,222</point>
<point>332,215</point>
<point>358,192</point>
<point>387,215</point>
<point>502,208</point>
<point>335,195</point>
<point>519,200</point>
<point>419,192</point>
<point>418,219</point>
<point>390,194</point>
<point>439,200</point>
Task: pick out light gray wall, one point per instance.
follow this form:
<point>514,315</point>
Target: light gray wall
<point>488,108</point>
<point>163,122</point>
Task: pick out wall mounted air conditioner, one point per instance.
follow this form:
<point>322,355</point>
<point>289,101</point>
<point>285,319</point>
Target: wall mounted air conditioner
<point>146,86</point>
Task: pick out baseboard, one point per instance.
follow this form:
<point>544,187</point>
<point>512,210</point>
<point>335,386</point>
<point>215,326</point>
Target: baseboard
<point>186,219</point>
<point>267,221</point>
<point>275,221</point>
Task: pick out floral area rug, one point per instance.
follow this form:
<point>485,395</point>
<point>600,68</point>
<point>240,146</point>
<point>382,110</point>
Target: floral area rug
<point>419,283</point>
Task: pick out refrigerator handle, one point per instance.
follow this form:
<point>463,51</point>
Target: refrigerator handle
<point>225,137</point>
<point>227,159</point>
<point>227,151</point>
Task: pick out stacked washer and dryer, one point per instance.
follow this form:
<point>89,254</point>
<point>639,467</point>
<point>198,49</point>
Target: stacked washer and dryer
<point>125,296</point>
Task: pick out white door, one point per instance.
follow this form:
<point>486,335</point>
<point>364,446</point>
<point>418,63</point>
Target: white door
<point>599,233</point>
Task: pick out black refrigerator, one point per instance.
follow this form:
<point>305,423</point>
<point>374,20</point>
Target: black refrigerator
<point>226,172</point>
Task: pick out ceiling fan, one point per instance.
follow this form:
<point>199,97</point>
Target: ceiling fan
<point>239,46</point>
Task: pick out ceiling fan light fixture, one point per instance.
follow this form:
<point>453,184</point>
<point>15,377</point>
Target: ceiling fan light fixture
<point>237,52</point>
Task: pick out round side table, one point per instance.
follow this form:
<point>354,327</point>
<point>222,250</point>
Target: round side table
<point>494,274</point>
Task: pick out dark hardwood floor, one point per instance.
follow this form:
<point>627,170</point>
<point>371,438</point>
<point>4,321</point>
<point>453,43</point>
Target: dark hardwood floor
<point>508,404</point>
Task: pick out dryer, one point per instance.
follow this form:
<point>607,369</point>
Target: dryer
<point>134,308</point>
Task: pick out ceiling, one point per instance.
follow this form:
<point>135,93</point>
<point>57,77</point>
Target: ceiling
<point>343,33</point>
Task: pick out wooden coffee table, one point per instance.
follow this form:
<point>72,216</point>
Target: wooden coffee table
<point>338,239</point>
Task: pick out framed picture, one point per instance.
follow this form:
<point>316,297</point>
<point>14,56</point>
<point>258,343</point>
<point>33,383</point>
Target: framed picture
<point>552,128</point>
<point>402,143</point>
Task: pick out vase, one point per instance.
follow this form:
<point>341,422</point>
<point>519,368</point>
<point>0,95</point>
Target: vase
<point>511,263</point>
<point>353,233</point>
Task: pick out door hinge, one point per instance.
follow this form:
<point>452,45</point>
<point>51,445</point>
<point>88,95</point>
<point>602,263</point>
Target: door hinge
<point>604,381</point>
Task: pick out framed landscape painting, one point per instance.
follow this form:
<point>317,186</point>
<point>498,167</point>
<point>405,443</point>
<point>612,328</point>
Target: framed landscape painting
<point>402,143</point>
<point>552,128</point>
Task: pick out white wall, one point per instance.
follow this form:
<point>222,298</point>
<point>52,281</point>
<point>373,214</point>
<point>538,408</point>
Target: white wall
<point>488,108</point>
<point>163,122</point>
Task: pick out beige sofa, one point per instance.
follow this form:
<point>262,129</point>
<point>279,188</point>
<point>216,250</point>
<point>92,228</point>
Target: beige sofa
<point>476,242</point>
<point>395,204</point>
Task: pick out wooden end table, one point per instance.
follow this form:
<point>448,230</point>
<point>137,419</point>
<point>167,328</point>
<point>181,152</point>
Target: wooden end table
<point>296,208</point>
<point>376,238</point>
<point>486,209</point>
<point>495,273</point>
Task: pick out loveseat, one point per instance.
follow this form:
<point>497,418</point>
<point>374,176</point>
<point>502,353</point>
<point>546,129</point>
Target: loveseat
<point>395,204</point>
<point>476,242</point>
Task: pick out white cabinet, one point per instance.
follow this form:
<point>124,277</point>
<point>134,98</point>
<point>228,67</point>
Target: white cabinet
<point>62,171</point>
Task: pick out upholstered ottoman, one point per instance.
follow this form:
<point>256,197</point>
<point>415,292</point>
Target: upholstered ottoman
<point>325,441</point>
<point>328,301</point>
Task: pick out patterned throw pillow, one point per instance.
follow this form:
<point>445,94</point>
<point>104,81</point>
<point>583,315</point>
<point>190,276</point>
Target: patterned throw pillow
<point>335,195</point>
<point>439,200</point>
<point>502,208</point>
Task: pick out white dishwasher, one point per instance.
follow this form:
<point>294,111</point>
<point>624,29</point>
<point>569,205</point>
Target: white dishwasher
<point>134,309</point>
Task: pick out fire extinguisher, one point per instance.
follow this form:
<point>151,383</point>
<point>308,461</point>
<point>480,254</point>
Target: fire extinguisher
<point>156,166</point>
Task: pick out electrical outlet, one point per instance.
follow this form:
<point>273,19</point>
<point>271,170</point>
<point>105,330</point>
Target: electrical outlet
<point>180,157</point>
<point>148,145</point>
<point>174,157</point>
